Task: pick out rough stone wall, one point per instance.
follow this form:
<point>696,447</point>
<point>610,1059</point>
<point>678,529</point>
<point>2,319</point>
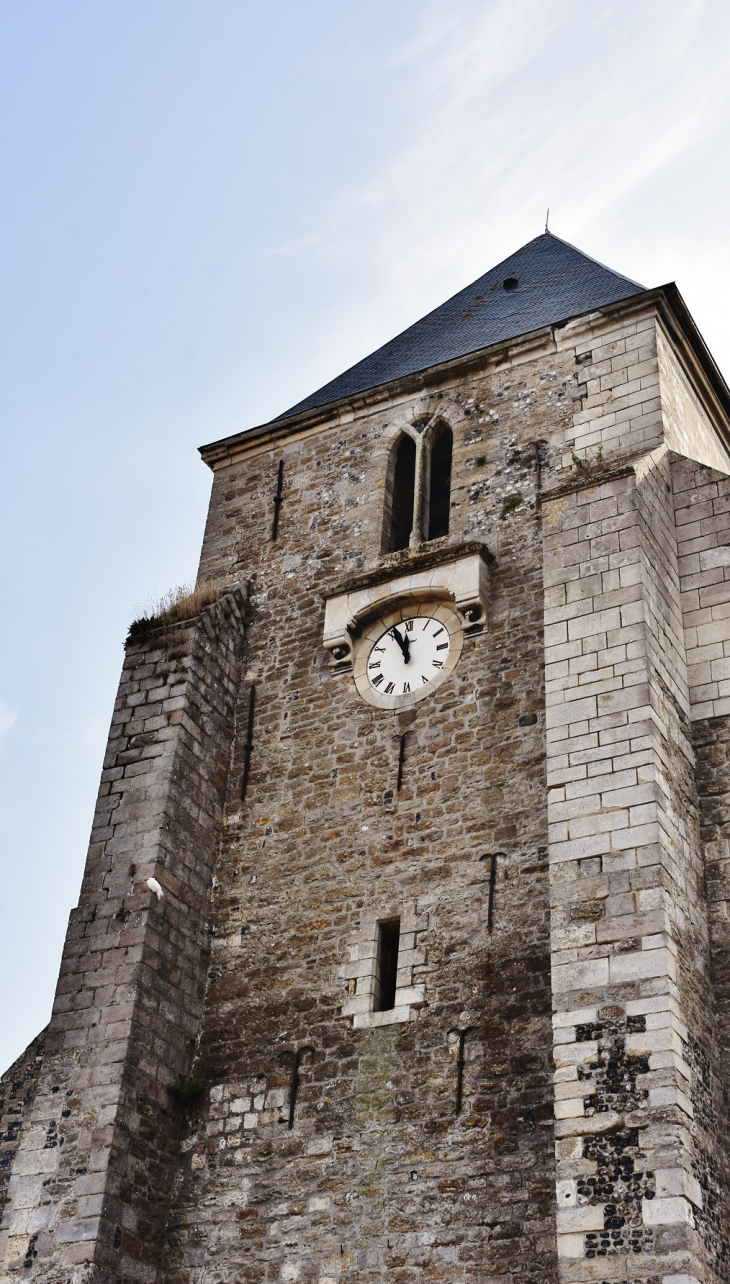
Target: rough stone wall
<point>88,1191</point>
<point>334,480</point>
<point>17,1093</point>
<point>378,1176</point>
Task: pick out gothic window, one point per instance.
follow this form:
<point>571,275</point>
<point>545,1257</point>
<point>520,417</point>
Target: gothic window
<point>418,487</point>
<point>439,484</point>
<point>403,494</point>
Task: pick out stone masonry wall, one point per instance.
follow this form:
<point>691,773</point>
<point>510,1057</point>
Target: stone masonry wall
<point>712,747</point>
<point>629,919</point>
<point>628,875</point>
<point>687,426</point>
<point>560,751</point>
<point>17,1093</point>
<point>89,1186</point>
<point>702,508</point>
<point>630,930</point>
<point>702,511</point>
<point>620,412</point>
<point>378,1177</point>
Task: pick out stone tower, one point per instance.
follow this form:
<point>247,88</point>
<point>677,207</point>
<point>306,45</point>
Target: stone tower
<point>403,947</point>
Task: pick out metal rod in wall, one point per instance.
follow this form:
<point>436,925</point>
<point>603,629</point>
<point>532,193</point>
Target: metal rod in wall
<point>460,1063</point>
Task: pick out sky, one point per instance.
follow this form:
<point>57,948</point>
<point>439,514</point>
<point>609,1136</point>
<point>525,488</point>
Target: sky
<point>208,209</point>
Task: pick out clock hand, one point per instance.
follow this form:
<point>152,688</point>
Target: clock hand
<point>403,643</point>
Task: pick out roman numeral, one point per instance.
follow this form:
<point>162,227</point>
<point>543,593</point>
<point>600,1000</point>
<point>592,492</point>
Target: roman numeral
<point>442,646</point>
<point>410,625</point>
<point>424,678</point>
<point>438,664</point>
<point>378,680</point>
<point>375,664</point>
<point>390,687</point>
<point>378,648</point>
<point>435,635</point>
<point>406,687</point>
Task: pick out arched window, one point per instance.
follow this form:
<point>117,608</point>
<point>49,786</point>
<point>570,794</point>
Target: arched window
<point>439,484</point>
<point>404,490</point>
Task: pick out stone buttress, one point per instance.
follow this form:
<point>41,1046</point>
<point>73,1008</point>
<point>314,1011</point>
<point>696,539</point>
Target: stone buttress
<point>89,1187</point>
<point>636,631</point>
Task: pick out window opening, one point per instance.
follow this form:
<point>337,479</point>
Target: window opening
<point>248,746</point>
<point>277,500</point>
<point>387,965</point>
<point>439,491</point>
<point>404,490</point>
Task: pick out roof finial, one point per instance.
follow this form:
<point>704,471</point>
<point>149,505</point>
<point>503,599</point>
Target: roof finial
<point>547,220</point>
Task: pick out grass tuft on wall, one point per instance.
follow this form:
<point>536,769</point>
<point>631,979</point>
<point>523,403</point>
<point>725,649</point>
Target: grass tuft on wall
<point>181,603</point>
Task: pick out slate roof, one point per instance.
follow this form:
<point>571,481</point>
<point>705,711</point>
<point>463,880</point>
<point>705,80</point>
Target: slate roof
<point>554,282</point>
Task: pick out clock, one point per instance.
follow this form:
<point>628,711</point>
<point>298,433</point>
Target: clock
<point>404,656</point>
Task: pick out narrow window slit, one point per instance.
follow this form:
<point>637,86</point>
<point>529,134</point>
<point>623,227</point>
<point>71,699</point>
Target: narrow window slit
<point>248,744</point>
<point>492,858</point>
<point>401,760</point>
<point>277,500</point>
<point>386,970</point>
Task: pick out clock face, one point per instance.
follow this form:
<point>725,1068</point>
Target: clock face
<point>404,656</point>
<point>408,655</point>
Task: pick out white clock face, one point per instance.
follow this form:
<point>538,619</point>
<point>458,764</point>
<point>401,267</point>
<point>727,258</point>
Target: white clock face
<point>408,655</point>
<point>403,657</point>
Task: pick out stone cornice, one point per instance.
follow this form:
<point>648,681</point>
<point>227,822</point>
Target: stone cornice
<point>407,563</point>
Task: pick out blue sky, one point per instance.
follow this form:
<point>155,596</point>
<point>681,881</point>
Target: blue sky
<point>209,208</point>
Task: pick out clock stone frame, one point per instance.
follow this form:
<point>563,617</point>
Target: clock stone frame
<point>451,585</point>
<point>434,610</point>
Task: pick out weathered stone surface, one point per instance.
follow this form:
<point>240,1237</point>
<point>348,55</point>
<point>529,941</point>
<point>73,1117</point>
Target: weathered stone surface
<point>17,1092</point>
<point>560,752</point>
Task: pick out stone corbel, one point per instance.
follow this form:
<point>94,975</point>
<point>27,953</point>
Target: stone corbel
<point>458,577</point>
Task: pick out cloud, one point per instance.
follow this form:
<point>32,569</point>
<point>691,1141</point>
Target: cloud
<point>515,105</point>
<point>503,109</point>
<point>524,105</point>
<point>7,718</point>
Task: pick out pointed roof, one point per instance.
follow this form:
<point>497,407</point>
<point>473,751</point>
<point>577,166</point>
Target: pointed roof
<point>545,282</point>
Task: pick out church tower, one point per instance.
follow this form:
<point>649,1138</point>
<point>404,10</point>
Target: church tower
<point>403,946</point>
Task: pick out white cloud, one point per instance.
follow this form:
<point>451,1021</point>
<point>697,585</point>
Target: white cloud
<point>523,104</point>
<point>7,718</point>
<point>511,106</point>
